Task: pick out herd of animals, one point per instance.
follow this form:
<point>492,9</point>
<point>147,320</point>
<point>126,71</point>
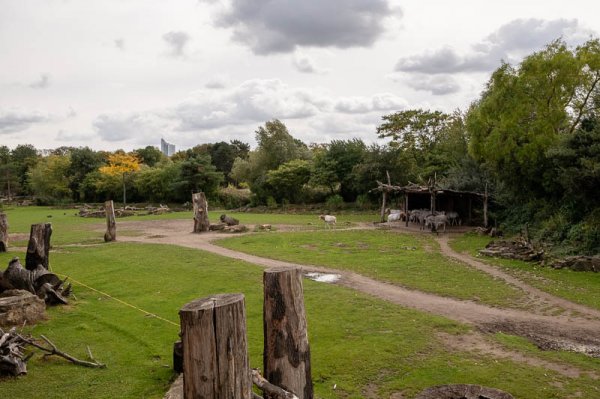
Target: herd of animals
<point>423,217</point>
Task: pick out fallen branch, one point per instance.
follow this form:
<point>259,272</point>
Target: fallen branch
<point>269,388</point>
<point>55,351</point>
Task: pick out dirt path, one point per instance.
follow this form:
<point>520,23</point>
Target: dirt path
<point>577,330</point>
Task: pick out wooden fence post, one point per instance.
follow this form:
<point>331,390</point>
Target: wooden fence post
<point>38,247</point>
<point>201,222</point>
<point>286,354</point>
<point>3,232</point>
<point>215,353</point>
<point>111,223</point>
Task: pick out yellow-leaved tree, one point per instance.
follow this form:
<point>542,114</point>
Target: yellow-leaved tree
<point>120,164</point>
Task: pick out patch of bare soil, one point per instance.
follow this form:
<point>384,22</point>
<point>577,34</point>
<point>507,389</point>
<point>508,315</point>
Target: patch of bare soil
<point>479,343</point>
<point>578,330</point>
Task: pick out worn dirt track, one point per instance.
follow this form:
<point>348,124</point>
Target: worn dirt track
<point>577,328</point>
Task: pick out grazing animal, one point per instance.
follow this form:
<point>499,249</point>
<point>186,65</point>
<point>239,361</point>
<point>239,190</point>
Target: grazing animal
<point>453,218</point>
<point>392,214</point>
<point>394,217</point>
<point>329,220</point>
<point>435,222</point>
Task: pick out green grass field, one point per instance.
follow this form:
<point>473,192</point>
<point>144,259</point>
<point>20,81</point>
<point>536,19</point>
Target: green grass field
<point>409,260</point>
<point>579,287</point>
<point>365,347</point>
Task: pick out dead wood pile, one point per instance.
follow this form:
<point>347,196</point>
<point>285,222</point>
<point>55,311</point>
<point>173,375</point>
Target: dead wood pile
<point>39,281</point>
<point>518,248</point>
<point>14,357</point>
<point>88,211</point>
<point>578,263</point>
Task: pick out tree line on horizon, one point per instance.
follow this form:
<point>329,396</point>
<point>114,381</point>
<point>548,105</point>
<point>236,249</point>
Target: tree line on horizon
<point>532,137</point>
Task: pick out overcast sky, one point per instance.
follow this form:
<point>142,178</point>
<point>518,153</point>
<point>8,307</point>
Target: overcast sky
<point>116,74</point>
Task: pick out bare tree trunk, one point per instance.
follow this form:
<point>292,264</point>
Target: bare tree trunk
<point>39,246</point>
<point>201,222</point>
<point>3,232</point>
<point>485,207</point>
<point>383,204</point>
<point>111,223</point>
<point>286,355</point>
<point>215,353</point>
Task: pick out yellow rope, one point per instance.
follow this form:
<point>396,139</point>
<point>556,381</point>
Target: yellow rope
<point>119,300</point>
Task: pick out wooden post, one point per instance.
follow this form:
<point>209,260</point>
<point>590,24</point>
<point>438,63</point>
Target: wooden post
<point>201,222</point>
<point>111,223</point>
<point>485,207</point>
<point>383,204</point>
<point>286,356</point>
<point>38,247</point>
<point>215,352</point>
<point>406,207</point>
<point>3,233</point>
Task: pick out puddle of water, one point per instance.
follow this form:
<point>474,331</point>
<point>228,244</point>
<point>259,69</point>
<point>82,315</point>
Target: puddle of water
<point>323,277</point>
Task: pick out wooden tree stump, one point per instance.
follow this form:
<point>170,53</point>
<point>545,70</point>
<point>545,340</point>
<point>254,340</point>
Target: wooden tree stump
<point>201,223</point>
<point>111,224</point>
<point>3,232</point>
<point>38,247</point>
<point>215,352</point>
<point>286,354</point>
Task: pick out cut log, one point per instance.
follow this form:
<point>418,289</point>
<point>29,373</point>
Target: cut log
<point>273,390</point>
<point>3,232</point>
<point>111,224</point>
<point>39,246</point>
<point>41,282</point>
<point>286,356</point>
<point>216,226</point>
<point>215,354</point>
<point>201,222</point>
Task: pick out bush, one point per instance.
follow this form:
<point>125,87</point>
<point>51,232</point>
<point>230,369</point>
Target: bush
<point>231,197</point>
<point>335,202</point>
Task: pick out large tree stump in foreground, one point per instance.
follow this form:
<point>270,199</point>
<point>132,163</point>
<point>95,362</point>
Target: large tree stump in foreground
<point>201,222</point>
<point>3,232</point>
<point>38,247</point>
<point>215,353</point>
<point>111,224</point>
<point>286,354</point>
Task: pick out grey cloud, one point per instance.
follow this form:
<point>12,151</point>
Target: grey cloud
<point>437,85</point>
<point>176,40</point>
<point>121,127</point>
<point>16,121</point>
<point>216,83</point>
<point>509,43</point>
<point>120,43</point>
<point>305,64</point>
<point>42,83</point>
<point>280,26</point>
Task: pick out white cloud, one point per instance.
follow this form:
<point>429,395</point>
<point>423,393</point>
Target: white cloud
<point>305,64</point>
<point>42,83</point>
<point>509,43</point>
<point>127,127</point>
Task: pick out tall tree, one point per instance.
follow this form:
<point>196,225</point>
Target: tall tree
<point>526,109</point>
<point>49,178</point>
<point>24,157</point>
<point>121,164</point>
<point>83,161</point>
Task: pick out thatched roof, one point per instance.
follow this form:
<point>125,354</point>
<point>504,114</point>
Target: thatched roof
<point>412,188</point>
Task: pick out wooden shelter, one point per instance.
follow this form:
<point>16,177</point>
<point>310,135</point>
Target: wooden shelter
<point>436,199</point>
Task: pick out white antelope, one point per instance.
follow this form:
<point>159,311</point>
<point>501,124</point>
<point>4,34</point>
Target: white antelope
<point>329,220</point>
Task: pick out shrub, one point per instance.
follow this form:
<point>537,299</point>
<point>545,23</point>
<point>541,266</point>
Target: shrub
<point>335,202</point>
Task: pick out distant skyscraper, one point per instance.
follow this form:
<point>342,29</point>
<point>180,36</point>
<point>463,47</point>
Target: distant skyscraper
<point>166,148</point>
